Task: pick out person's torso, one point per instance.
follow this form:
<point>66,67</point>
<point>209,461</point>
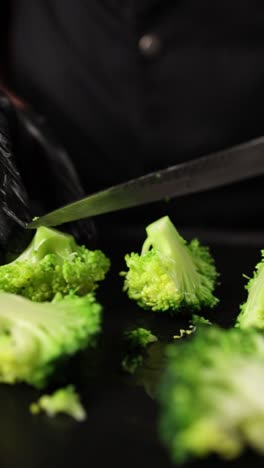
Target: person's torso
<point>132,87</point>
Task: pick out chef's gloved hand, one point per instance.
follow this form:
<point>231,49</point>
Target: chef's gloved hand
<point>49,174</point>
<point>36,175</point>
<point>14,202</point>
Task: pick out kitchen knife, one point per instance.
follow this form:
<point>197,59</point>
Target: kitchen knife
<point>214,170</point>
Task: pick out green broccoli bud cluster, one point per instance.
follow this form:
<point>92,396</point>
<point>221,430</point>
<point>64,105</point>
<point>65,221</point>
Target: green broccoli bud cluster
<point>211,394</point>
<point>35,337</point>
<point>53,263</point>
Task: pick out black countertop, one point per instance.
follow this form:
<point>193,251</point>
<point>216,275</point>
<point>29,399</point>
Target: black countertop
<point>121,427</point>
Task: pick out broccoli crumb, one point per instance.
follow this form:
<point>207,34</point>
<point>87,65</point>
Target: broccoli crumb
<point>196,321</point>
<point>183,332</point>
<point>64,400</point>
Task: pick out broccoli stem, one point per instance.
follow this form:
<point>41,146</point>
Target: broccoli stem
<point>163,235</point>
<point>48,241</point>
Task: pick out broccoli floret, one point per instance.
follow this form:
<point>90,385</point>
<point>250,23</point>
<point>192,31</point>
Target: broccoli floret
<point>65,400</point>
<point>169,273</point>
<point>52,263</point>
<point>252,311</point>
<point>34,337</point>
<point>211,394</point>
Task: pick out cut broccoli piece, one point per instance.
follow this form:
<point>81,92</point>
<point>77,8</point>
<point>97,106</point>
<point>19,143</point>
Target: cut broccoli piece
<point>252,311</point>
<point>65,400</point>
<point>139,338</point>
<point>211,394</point>
<point>170,274</point>
<point>34,337</point>
<point>136,342</point>
<point>52,263</point>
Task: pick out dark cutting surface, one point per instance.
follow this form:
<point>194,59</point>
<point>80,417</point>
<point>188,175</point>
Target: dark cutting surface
<point>121,427</point>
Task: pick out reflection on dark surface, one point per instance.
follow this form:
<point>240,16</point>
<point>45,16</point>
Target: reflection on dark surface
<point>121,427</point>
<point>149,373</point>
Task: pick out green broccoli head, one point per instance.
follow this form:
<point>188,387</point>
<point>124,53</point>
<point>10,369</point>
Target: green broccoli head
<point>64,400</point>
<point>211,394</point>
<point>53,263</point>
<point>252,311</point>
<point>34,337</point>
<point>170,274</point>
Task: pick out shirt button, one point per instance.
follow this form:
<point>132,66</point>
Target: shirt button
<point>149,45</point>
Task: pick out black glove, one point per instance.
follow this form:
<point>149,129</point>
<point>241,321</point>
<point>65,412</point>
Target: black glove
<point>30,153</point>
<point>14,203</point>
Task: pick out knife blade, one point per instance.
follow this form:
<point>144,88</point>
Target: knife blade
<point>214,170</point>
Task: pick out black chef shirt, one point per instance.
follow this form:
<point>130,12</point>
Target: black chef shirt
<point>133,86</point>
